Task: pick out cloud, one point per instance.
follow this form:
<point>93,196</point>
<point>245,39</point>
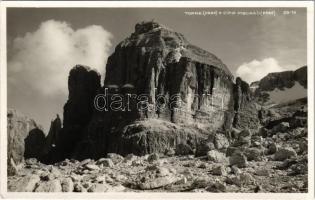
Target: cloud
<point>256,70</point>
<point>41,60</point>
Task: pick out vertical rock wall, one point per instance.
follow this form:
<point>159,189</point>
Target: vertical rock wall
<point>246,110</point>
<point>25,139</point>
<point>83,84</point>
<point>182,83</point>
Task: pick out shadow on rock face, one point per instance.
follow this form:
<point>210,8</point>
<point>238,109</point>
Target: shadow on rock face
<point>34,144</point>
<point>86,149</point>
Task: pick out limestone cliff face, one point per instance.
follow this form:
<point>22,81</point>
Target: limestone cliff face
<point>51,140</point>
<point>179,82</point>
<point>25,138</point>
<point>183,82</point>
<point>246,110</point>
<point>83,84</point>
<point>54,131</point>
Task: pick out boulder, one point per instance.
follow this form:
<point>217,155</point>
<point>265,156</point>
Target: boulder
<point>203,165</point>
<point>246,178</point>
<point>221,141</point>
<point>272,148</point>
<point>49,186</point>
<point>130,157</point>
<point>219,170</point>
<point>284,153</point>
<point>303,146</point>
<point>27,183</point>
<point>156,177</point>
<point>116,188</point>
<point>116,158</point>
<point>67,185</point>
<point>235,170</point>
<point>230,150</point>
<point>263,132</point>
<point>155,136</point>
<point>216,156</point>
<point>86,161</point>
<point>106,162</point>
<point>262,172</point>
<point>31,161</point>
<point>75,177</point>
<point>238,159</point>
<point>256,141</point>
<point>216,187</point>
<point>98,188</point>
<point>203,148</point>
<point>55,171</point>
<point>79,188</point>
<point>46,176</point>
<point>241,180</point>
<point>253,154</point>
<point>183,149</point>
<point>281,127</point>
<point>299,168</point>
<point>157,182</point>
<point>92,167</point>
<point>201,182</point>
<point>244,139</point>
<point>170,152</point>
<point>153,157</point>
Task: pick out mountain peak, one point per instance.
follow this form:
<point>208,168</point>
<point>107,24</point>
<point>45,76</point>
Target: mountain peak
<point>147,26</point>
<point>153,36</point>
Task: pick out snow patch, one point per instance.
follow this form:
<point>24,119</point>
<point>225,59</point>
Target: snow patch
<point>288,94</point>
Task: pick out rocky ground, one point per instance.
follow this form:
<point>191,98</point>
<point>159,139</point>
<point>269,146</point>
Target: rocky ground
<point>154,173</point>
<point>252,163</point>
<point>271,159</point>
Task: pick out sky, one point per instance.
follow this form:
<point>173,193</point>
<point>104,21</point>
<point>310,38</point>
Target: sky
<point>43,44</point>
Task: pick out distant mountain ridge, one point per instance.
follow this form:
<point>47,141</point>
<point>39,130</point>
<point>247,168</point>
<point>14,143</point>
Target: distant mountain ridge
<point>278,87</point>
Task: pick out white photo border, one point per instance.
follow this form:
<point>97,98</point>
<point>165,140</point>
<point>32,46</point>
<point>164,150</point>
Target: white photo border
<point>162,4</point>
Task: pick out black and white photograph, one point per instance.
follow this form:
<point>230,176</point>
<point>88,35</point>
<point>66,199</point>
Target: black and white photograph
<point>157,99</point>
